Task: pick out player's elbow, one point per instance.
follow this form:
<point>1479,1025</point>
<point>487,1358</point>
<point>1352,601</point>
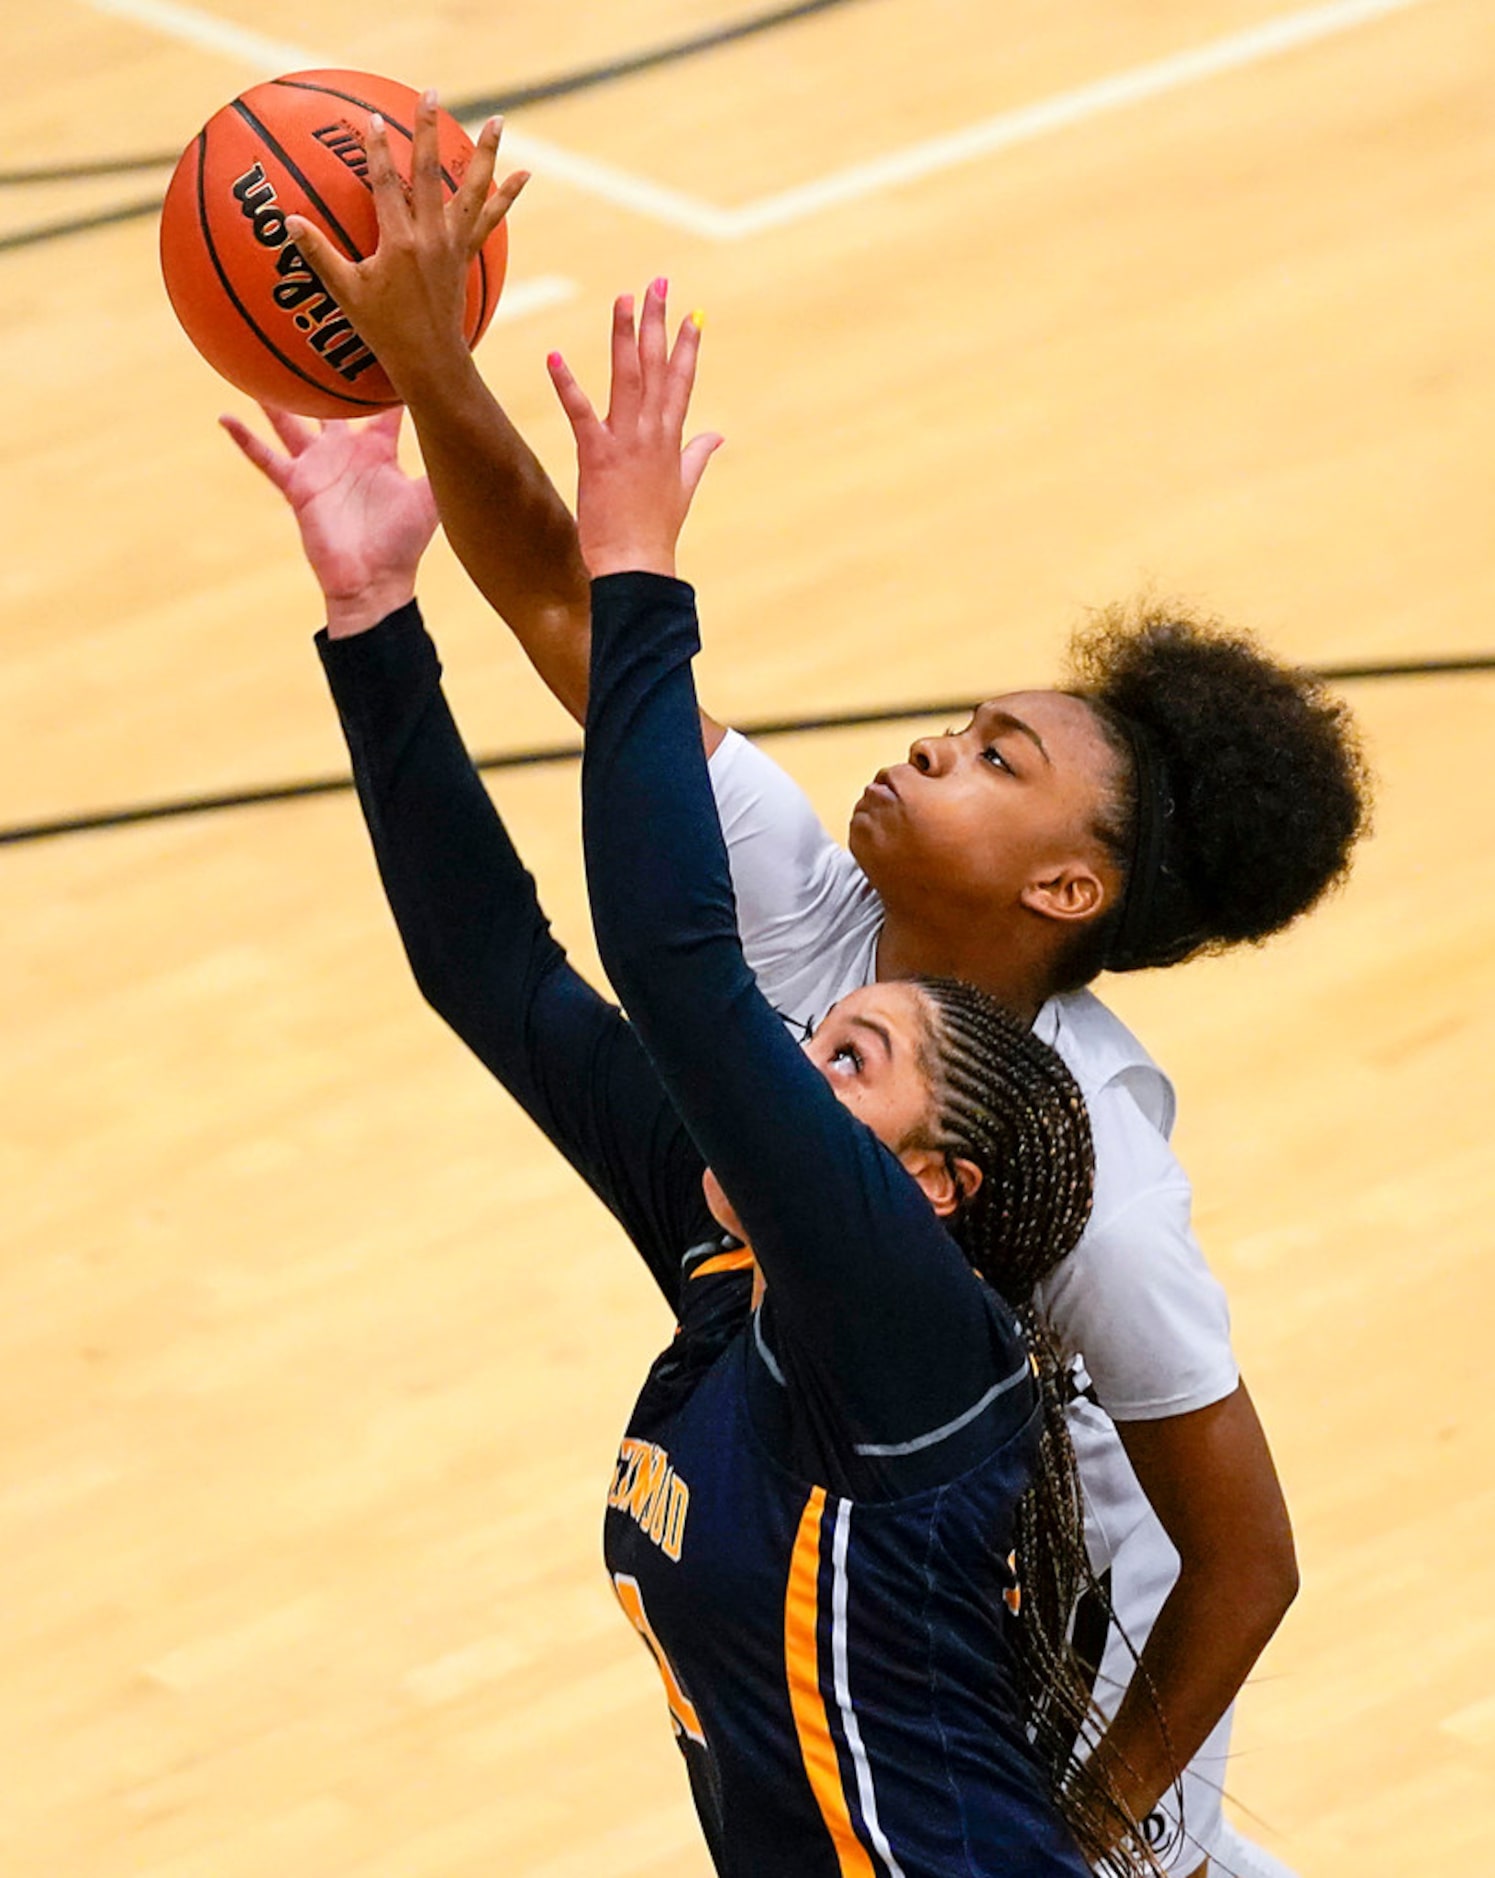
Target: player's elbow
<point>1265,1586</point>
<point>1285,1580</point>
<point>1247,1584</point>
<point>449,993</point>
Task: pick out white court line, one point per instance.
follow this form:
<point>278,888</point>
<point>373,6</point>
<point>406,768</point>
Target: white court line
<point>636,193</point>
<point>213,35</point>
<point>522,297</point>
<point>272,57</point>
<point>1059,112</point>
<point>854,184</point>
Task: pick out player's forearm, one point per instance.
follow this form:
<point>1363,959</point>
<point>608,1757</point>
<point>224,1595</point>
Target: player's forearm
<point>1215,1624</point>
<point>465,907</point>
<point>507,524</point>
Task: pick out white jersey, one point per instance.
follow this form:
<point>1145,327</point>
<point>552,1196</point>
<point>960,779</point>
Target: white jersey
<point>1134,1302</point>
<point>1135,1299</point>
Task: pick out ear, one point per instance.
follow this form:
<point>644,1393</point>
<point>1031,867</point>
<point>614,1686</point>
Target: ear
<point>1070,891</point>
<point>932,1170</point>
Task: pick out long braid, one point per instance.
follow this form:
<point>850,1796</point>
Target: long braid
<point>1005,1101</point>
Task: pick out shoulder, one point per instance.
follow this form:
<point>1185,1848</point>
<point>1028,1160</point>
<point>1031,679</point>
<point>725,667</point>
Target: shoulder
<point>808,917</point>
<point>751,787</point>
<point>1105,1057</point>
<point>1137,1302</point>
<point>756,797</point>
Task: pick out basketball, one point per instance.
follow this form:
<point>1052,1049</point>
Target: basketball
<point>246,296</point>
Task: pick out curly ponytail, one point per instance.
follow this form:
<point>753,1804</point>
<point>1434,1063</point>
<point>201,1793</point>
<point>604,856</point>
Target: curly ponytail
<point>1241,788</point>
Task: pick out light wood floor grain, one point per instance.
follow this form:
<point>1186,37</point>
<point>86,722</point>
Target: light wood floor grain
<point>312,1357</point>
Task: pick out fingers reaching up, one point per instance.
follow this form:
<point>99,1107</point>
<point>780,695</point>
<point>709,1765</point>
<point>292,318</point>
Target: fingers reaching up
<point>364,523</point>
<point>407,299</point>
<point>636,477</point>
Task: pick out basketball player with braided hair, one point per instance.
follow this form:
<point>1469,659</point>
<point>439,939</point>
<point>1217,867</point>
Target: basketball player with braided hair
<point>1187,792</point>
<point>827,1470</point>
<point>1014,1255</point>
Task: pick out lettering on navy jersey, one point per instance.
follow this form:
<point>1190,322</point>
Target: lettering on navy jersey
<point>647,1488</point>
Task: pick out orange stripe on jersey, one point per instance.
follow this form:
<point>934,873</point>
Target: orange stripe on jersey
<point>725,1262</point>
<point>802,1661</point>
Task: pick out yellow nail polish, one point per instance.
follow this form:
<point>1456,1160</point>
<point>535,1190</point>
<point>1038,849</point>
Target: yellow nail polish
<point>698,319</point>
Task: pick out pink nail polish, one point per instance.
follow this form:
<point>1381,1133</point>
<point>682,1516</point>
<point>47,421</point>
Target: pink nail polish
<point>661,287</point>
<point>553,359</point>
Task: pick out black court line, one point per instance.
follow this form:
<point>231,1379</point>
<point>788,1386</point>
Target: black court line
<point>543,91</point>
<point>139,814</point>
<point>80,225</point>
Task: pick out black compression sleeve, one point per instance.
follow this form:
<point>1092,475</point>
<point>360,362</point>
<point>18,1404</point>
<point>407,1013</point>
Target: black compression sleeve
<point>862,1275</point>
<point>482,951</point>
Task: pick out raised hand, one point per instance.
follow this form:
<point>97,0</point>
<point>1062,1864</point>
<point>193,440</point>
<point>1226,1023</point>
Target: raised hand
<point>407,298</point>
<point>635,480</point>
<point>364,523</point>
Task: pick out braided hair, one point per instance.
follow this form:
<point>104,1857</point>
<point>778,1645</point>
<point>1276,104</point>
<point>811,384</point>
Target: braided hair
<point>1005,1101</point>
<point>1241,788</point>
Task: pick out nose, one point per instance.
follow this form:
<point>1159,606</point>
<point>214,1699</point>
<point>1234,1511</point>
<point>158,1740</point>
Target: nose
<point>929,755</point>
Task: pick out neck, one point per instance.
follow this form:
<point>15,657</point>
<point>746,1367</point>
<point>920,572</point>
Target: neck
<point>1014,970</point>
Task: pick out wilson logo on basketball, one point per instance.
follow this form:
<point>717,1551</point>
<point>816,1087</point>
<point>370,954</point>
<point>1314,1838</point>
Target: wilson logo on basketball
<point>299,290</point>
<point>346,145</point>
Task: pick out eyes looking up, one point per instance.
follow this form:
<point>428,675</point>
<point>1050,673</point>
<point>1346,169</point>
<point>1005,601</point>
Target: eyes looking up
<point>847,1060</point>
<point>990,753</point>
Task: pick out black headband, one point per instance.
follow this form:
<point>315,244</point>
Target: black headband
<point>1151,814</point>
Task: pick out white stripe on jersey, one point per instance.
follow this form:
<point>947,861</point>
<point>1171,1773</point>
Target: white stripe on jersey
<point>769,1359</point>
<point>843,1694</point>
<point>948,1428</point>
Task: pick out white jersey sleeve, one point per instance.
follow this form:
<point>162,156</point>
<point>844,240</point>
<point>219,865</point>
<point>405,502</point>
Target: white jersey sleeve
<point>808,918</point>
<point>1136,1301</point>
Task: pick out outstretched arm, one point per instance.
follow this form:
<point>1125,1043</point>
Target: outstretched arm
<point>503,516</point>
<point>483,953</point>
<point>870,1288</point>
<point>466,909</point>
<point>506,521</point>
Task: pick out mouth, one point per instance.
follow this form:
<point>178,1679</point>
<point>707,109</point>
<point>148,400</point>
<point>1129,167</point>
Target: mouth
<point>881,788</point>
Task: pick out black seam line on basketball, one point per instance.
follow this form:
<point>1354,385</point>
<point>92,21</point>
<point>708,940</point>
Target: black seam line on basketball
<point>570,752</point>
<point>482,261</point>
<point>543,91</point>
<point>292,83</point>
<point>243,311</point>
<point>298,175</point>
<point>347,97</point>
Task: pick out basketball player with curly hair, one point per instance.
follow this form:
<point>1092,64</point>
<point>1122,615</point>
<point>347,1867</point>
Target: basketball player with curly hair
<point>1183,793</point>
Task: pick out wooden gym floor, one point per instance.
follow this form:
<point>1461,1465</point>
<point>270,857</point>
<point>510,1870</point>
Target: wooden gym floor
<point>313,1357</point>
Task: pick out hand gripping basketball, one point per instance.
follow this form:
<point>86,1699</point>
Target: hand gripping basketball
<point>407,298</point>
<point>246,289</point>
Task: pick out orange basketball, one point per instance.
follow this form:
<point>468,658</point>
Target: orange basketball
<point>243,291</point>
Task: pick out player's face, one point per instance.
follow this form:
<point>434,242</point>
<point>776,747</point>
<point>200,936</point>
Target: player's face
<point>873,1050</point>
<point>977,819</point>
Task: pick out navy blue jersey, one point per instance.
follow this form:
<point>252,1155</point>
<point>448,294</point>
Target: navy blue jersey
<point>812,1506</point>
<point>837,1669</point>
